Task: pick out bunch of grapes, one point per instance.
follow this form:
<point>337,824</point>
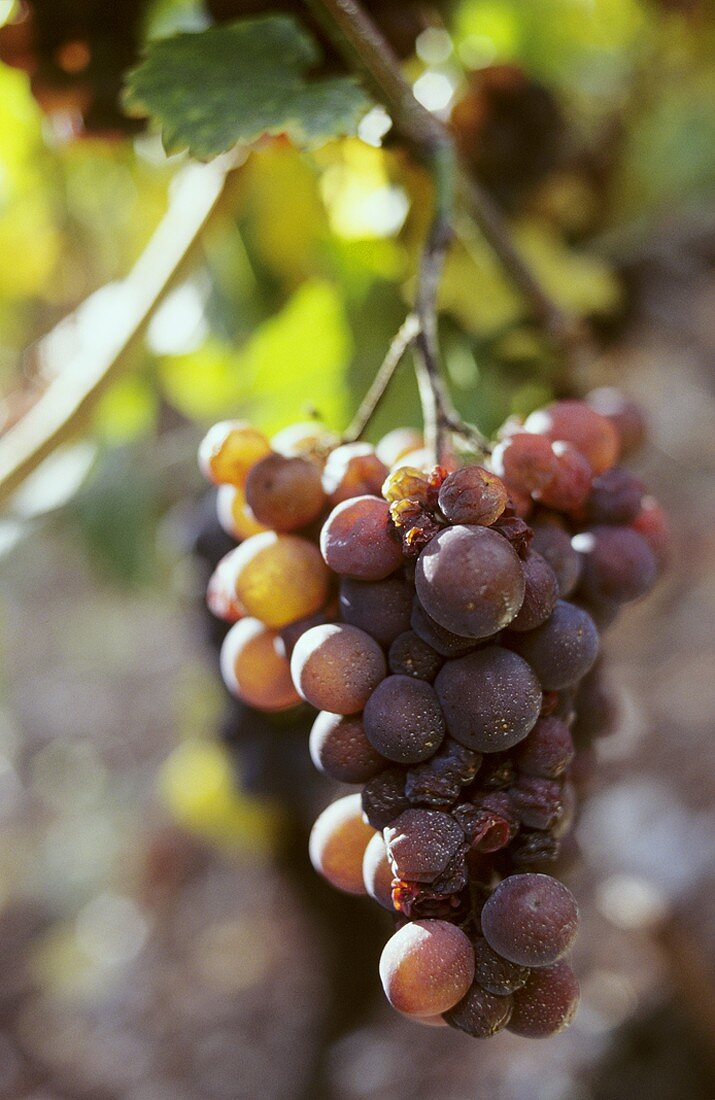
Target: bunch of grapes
<point>444,622</point>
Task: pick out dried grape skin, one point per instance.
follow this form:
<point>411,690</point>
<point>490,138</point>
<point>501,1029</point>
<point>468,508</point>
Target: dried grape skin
<point>426,967</point>
<point>480,1013</point>
<point>472,495</point>
<point>540,594</point>
<point>470,581</point>
<point>495,974</point>
<point>421,843</point>
<point>530,919</point>
<point>340,749</point>
<point>285,494</point>
<point>491,699</point>
<point>409,655</point>
<point>563,649</point>
<point>547,751</point>
<point>337,844</point>
<point>336,667</point>
<point>381,608</point>
<point>547,1003</point>
<point>439,781</point>
<point>356,542</point>
<point>383,798</point>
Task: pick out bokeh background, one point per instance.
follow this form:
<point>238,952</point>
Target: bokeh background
<point>162,936</point>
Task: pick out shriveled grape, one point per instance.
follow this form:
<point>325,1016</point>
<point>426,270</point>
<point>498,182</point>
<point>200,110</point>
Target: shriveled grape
<point>472,495</point>
<point>547,751</point>
<point>421,844</point>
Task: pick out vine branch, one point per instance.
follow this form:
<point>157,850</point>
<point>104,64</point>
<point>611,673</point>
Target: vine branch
<point>361,43</point>
<point>79,384</point>
<point>404,338</point>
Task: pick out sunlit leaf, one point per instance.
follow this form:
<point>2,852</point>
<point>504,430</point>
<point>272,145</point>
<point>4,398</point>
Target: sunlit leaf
<point>231,84</point>
<point>127,411</point>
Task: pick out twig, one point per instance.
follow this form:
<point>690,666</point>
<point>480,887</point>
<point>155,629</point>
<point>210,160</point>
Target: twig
<point>361,42</point>
<point>402,341</point>
<point>78,386</point>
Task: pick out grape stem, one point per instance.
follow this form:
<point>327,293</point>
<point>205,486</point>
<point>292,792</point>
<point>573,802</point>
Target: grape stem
<point>364,47</point>
<point>404,339</point>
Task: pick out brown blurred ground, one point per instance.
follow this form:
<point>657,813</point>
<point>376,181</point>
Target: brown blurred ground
<point>139,962</point>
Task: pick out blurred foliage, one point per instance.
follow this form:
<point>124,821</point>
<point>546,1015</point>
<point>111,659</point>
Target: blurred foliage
<point>307,267</point>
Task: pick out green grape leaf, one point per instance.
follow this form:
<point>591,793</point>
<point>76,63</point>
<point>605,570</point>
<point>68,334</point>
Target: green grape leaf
<point>231,84</point>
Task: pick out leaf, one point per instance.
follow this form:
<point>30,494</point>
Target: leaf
<point>233,83</point>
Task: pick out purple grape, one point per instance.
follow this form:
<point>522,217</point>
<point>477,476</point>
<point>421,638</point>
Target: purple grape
<point>495,974</point>
<point>563,649</point>
<point>380,608</point>
<point>618,564</point>
<point>530,919</point>
<point>403,720</point>
<point>554,544</point>
<point>340,749</point>
<point>421,844</point>
<point>491,699</point>
<point>410,656</point>
<point>547,1003</point>
<point>547,751</point>
<point>616,497</point>
<point>479,1013</point>
<point>540,595</point>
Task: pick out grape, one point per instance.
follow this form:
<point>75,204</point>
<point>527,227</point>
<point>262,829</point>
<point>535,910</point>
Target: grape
<point>627,417</point>
<point>383,798</point>
<point>563,649</point>
<point>336,667</point>
<point>234,514</point>
<point>570,486</point>
<point>596,707</point>
<point>397,443</point>
<point>410,656</point>
<point>403,719</point>
<point>554,544</point>
<point>380,608</point>
<point>534,850</point>
<point>229,449</point>
<point>377,873</point>
<point>310,439</point>
<point>353,470</point>
<point>489,822</point>
<point>470,581</point>
<point>285,493</point>
<point>426,967</point>
<point>255,668</point>
<point>495,974</point>
<point>279,578</point>
<point>577,423</point>
<point>340,749</point>
<point>421,844</point>
<point>547,751</point>
<point>472,495</point>
<point>479,1013</point>
<point>530,919</point>
<point>442,641</point>
<point>291,633</point>
<point>221,597</point>
<point>652,524</point>
<point>337,844</point>
<point>439,781</point>
<point>356,540</point>
<point>491,699</point>
<point>540,594</point>
<point>616,497</point>
<point>547,1004</point>
<point>537,801</point>
<point>525,461</point>
<point>618,564</point>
